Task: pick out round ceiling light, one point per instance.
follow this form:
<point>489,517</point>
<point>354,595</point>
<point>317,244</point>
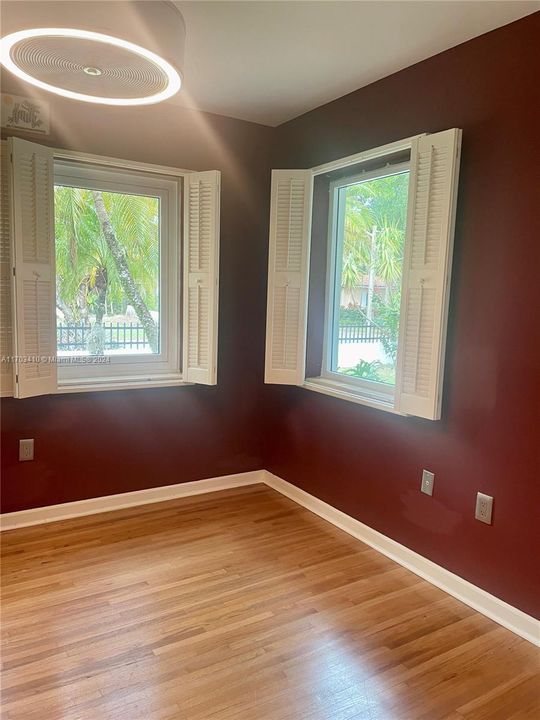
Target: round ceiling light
<point>89,66</point>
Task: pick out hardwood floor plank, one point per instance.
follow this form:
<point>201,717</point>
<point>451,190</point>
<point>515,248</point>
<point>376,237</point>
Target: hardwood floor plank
<point>240,605</point>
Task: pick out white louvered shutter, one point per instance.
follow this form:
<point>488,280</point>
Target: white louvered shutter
<point>426,273</point>
<point>201,262</point>
<point>288,268</point>
<point>6,315</point>
<point>34,281</point>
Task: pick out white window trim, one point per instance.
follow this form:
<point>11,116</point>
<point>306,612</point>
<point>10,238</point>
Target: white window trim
<point>373,392</point>
<point>365,155</point>
<point>136,366</point>
<point>126,383</point>
<point>330,383</point>
<point>119,163</point>
<point>202,372</point>
<point>425,281</point>
<point>347,391</point>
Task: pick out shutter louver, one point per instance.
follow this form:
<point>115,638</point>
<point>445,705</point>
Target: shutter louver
<point>290,227</point>
<point>426,273</point>
<point>33,245</point>
<point>6,315</point>
<point>201,260</point>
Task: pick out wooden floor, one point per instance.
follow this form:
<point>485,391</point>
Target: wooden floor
<point>240,605</point>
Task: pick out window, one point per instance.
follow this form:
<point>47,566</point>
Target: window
<point>110,288</point>
<point>367,235</point>
<point>359,268</point>
<point>117,271</point>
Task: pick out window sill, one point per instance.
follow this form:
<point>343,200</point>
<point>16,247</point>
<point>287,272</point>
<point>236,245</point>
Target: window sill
<point>347,391</point>
<point>119,383</point>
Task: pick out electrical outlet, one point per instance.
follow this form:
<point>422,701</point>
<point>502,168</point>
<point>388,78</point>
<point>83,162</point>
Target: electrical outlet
<point>484,508</point>
<point>428,480</point>
<point>26,450</point>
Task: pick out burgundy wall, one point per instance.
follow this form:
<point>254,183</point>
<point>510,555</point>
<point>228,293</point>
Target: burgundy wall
<point>93,444</point>
<point>368,463</point>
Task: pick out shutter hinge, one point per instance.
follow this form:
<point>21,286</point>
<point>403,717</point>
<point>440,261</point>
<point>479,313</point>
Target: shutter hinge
<point>16,379</point>
<point>13,271</point>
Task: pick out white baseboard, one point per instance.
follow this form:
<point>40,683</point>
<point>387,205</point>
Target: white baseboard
<point>66,511</point>
<point>510,617</point>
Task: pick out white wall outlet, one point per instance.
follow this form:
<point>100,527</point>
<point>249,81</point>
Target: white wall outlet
<point>26,450</point>
<point>484,508</point>
<point>428,480</point>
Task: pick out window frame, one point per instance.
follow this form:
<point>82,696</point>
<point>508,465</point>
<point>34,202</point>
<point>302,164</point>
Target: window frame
<point>136,367</point>
<point>29,345</point>
<point>371,390</point>
<point>425,287</point>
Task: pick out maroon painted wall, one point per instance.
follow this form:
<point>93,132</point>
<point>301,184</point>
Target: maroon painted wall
<point>100,443</point>
<point>368,463</point>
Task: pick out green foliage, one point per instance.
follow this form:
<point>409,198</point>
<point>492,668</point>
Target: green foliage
<point>373,240</point>
<point>387,314</point>
<point>351,316</point>
<point>375,371</point>
<point>87,276</point>
<point>374,232</point>
<point>365,370</point>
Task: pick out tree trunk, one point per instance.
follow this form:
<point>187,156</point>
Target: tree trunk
<point>371,277</point>
<point>96,337</point>
<point>128,285</point>
<point>69,316</point>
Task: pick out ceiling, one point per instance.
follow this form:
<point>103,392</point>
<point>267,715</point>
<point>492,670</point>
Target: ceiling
<point>271,61</point>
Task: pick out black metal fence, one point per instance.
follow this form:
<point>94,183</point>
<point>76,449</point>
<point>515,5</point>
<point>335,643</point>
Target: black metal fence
<point>118,336</point>
<point>367,333</point>
<point>128,336</point>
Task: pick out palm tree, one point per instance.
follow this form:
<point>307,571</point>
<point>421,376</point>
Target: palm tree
<point>107,256</point>
<point>374,233</point>
<point>373,240</point>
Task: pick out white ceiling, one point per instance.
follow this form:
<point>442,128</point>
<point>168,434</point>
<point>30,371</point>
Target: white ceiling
<point>271,61</point>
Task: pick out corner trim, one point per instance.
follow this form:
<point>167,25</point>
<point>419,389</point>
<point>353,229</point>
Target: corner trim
<point>492,607</point>
<point>80,508</point>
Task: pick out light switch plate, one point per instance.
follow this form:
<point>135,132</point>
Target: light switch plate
<point>428,480</point>
<point>26,450</point>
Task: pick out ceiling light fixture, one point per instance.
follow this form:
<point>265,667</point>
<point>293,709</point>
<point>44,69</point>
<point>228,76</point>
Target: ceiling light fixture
<point>98,67</point>
<point>9,44</point>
